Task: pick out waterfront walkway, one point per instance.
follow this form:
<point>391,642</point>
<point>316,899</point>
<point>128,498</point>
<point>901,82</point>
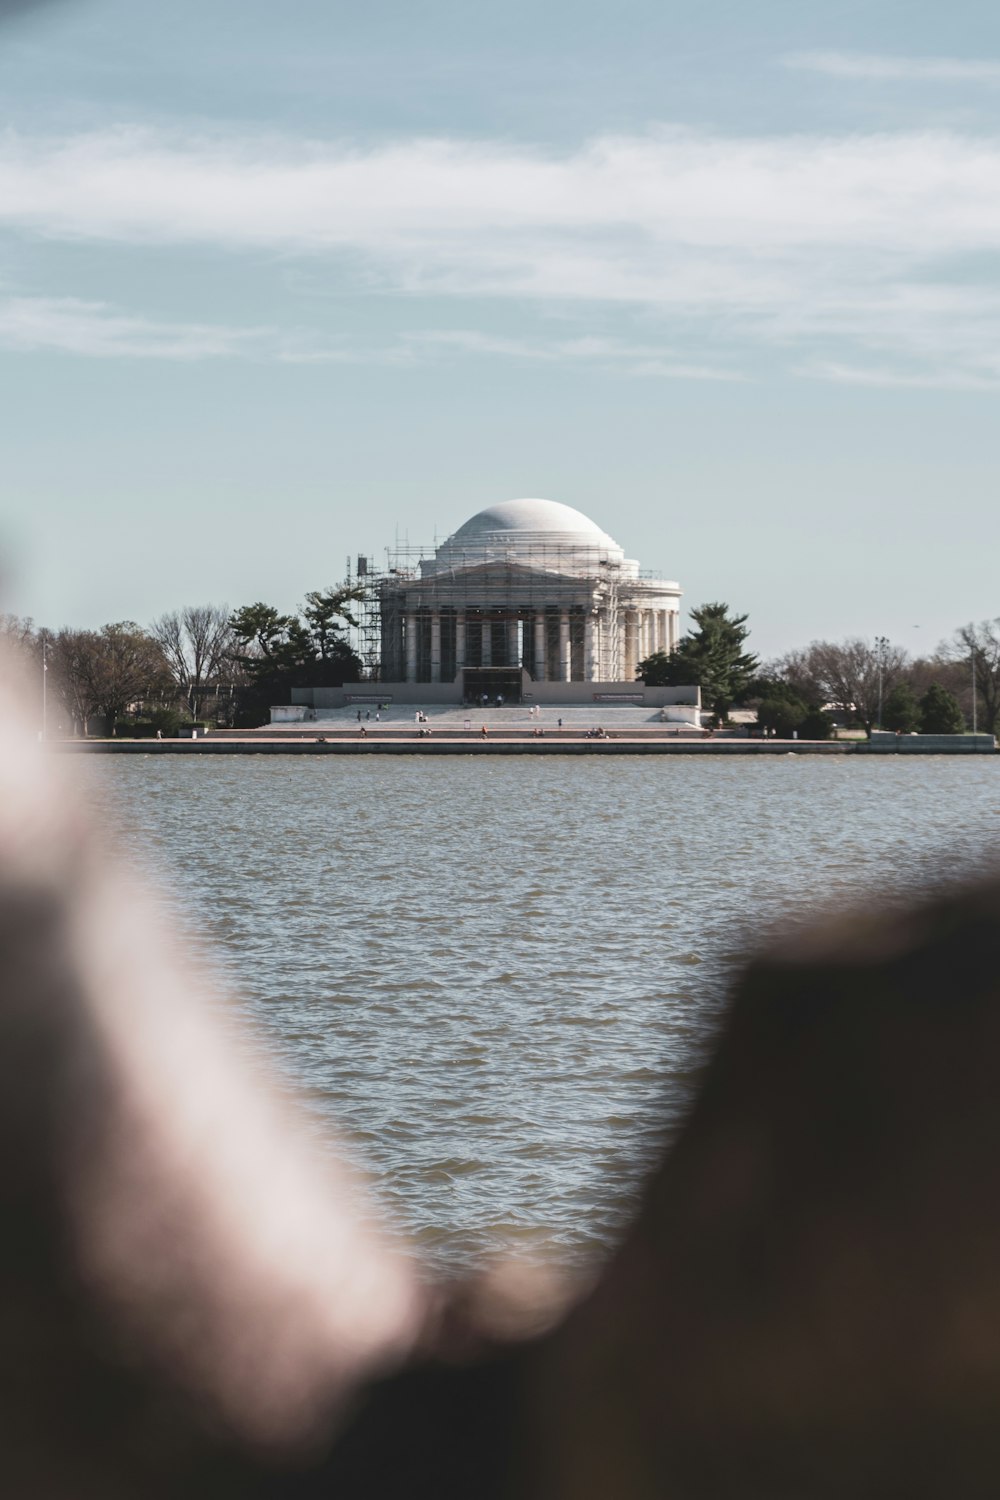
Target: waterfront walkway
<point>625,730</point>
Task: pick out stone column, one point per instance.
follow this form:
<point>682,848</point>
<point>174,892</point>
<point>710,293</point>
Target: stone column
<point>565,658</point>
<point>436,646</point>
<point>411,646</point>
<point>589,641</point>
<point>512,642</point>
<point>672,630</point>
<point>540,664</point>
<point>487,658</point>
<point>631,632</point>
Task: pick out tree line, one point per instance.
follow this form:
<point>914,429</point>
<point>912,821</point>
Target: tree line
<point>865,684</point>
<point>233,664</point>
<point>192,662</point>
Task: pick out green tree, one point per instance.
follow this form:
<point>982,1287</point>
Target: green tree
<point>710,656</point>
<point>939,712</point>
<point>326,612</point>
<point>783,715</point>
<point>665,669</point>
<point>901,711</point>
<point>277,652</point>
<point>817,724</point>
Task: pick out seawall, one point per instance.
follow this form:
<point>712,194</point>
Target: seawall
<point>409,744</point>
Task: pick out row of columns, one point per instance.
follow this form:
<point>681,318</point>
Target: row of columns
<point>645,630</point>
<point>539,666</point>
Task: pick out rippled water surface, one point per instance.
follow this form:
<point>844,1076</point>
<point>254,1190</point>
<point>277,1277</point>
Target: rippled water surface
<point>500,975</point>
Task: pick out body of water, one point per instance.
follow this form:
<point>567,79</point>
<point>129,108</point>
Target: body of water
<point>499,977</point>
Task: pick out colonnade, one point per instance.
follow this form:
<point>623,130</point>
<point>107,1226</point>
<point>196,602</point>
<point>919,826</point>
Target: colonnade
<point>547,649</point>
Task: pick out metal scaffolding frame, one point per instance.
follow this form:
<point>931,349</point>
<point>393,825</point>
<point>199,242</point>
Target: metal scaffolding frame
<point>501,595</point>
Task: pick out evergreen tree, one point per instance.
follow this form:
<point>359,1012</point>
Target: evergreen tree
<point>710,656</point>
<point>901,711</point>
<point>817,724</point>
<point>281,652</point>
<point>939,712</point>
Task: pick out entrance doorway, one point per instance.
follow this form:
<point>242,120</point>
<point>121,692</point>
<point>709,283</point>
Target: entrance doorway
<point>505,681</point>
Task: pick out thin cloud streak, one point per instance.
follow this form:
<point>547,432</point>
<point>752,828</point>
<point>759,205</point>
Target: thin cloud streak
<point>881,377</point>
<point>70,325</point>
<point>96,330</point>
<point>878,66</point>
<point>606,354</point>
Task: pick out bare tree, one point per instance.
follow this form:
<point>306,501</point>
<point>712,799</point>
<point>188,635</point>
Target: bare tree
<point>795,668</point>
<point>17,631</point>
<point>979,646</point>
<point>70,655</point>
<point>196,642</point>
<point>856,675</point>
<point>105,671</point>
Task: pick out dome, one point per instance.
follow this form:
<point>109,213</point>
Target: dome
<point>544,533</point>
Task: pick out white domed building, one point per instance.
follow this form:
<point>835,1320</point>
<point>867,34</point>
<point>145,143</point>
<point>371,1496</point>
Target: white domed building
<point>526,599</point>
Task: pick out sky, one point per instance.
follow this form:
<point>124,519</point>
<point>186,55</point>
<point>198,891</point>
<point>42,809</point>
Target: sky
<point>282,284</point>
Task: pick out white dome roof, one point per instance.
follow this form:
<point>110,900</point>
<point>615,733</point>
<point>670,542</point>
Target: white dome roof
<point>553,536</point>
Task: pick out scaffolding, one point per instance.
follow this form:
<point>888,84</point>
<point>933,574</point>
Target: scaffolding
<point>553,610</point>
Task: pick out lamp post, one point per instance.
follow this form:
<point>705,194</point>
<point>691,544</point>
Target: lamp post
<point>881,646</point>
<point>972,653</point>
<point>45,693</point>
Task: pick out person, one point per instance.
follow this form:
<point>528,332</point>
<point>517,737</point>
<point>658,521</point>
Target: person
<point>417,717</point>
<point>499,700</point>
<point>483,731</point>
<point>359,716</point>
<point>378,716</point>
<point>159,734</point>
<point>560,723</point>
<point>364,732</point>
<point>368,713</point>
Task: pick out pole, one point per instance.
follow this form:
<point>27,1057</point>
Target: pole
<point>881,642</point>
<point>45,694</point>
<point>973,654</point>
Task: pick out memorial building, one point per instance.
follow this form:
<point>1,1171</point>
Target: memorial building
<point>526,592</point>
<point>529,601</point>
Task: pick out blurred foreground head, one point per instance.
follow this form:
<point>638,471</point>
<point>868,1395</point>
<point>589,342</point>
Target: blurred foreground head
<point>179,1273</point>
<point>808,1304</point>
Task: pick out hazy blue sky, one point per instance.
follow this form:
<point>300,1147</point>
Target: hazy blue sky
<point>279,283</point>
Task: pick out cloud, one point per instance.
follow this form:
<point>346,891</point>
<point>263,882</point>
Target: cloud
<point>94,329</point>
<point>886,378</point>
<point>877,66</point>
<point>610,211</point>
<point>97,330</point>
<point>607,354</point>
<point>847,250</point>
